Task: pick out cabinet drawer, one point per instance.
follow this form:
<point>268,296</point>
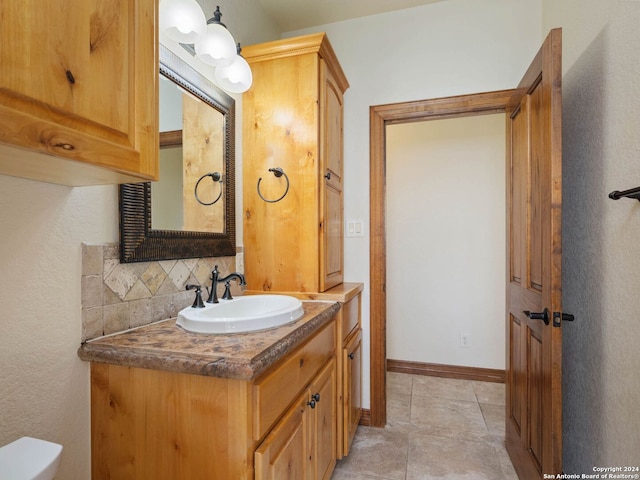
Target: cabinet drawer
<point>350,316</point>
<point>277,389</point>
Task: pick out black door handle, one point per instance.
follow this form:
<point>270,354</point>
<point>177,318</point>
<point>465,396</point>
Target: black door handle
<point>544,315</point>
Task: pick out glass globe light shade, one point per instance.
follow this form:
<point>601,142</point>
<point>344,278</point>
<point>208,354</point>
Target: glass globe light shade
<point>182,20</point>
<point>217,47</point>
<point>236,78</point>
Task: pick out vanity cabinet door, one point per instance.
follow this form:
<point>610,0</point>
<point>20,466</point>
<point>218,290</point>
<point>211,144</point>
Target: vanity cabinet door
<point>352,388</point>
<point>286,451</point>
<point>302,445</point>
<point>78,94</point>
<point>324,411</point>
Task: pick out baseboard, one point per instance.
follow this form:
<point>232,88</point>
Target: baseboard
<point>365,418</point>
<point>446,371</point>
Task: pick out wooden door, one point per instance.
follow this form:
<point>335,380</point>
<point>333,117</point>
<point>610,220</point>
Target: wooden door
<point>331,169</point>
<point>534,202</point>
<point>286,452</point>
<point>323,393</point>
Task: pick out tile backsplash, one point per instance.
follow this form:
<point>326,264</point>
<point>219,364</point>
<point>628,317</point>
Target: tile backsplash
<point>118,296</point>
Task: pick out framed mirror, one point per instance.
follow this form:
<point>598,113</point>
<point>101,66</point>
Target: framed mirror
<point>190,211</point>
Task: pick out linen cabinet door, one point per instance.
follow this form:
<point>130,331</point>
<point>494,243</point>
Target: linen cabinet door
<point>352,388</point>
<point>331,154</point>
<point>286,452</point>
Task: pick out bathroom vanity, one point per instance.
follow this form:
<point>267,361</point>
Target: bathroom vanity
<point>167,404</point>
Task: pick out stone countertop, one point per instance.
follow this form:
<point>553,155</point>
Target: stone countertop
<point>241,356</point>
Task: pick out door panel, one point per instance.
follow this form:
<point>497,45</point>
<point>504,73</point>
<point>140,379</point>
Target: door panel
<point>324,424</point>
<point>534,256</point>
<point>286,453</point>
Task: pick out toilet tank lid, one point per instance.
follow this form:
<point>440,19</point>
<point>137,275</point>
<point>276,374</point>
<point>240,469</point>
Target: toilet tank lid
<point>29,457</point>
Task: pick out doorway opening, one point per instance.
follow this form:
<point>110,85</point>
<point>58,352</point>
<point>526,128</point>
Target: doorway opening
<point>381,117</point>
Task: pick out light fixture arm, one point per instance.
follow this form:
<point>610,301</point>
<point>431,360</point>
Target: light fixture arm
<point>217,16</point>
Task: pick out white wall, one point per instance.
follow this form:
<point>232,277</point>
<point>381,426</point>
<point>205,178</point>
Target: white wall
<point>601,252</point>
<point>44,387</point>
<point>447,48</point>
<point>446,241</point>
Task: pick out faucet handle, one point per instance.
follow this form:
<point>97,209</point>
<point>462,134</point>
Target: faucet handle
<point>214,272</point>
<point>227,291</point>
<point>197,302</point>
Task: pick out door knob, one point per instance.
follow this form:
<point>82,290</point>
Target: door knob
<point>544,315</point>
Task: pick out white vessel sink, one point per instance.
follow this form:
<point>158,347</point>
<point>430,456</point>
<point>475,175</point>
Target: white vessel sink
<point>242,314</point>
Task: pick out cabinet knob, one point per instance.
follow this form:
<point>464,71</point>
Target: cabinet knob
<point>314,399</point>
<point>352,355</point>
<point>328,176</point>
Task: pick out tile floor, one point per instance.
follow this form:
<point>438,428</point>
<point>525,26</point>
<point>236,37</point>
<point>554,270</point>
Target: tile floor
<point>437,428</point>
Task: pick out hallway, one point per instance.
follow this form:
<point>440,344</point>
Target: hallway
<point>437,428</point>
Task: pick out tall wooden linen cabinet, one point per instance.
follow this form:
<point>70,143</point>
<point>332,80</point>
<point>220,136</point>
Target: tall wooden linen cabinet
<point>293,197</point>
<point>292,120</point>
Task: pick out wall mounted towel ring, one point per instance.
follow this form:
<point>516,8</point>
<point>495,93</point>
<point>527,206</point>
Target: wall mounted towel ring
<point>278,172</point>
<point>216,177</point>
<point>631,193</point>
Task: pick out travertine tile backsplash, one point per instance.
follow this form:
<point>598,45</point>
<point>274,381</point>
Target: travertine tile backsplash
<point>117,296</point>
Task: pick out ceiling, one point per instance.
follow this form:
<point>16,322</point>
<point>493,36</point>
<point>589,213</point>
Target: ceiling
<point>298,14</point>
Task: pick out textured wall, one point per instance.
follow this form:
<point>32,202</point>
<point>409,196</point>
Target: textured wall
<point>44,386</point>
<point>601,252</point>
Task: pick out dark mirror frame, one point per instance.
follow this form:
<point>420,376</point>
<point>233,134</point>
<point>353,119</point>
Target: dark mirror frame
<point>138,241</point>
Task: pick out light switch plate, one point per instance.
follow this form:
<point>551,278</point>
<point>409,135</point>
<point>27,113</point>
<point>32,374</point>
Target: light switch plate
<point>354,228</point>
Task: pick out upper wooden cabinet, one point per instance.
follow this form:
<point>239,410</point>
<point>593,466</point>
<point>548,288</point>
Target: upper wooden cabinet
<point>293,120</point>
<point>79,90</point>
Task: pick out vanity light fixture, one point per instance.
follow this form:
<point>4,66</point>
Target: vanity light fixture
<point>182,20</point>
<point>209,41</point>
<point>217,46</point>
<point>237,77</point>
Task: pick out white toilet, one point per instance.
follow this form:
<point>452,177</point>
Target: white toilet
<point>29,459</point>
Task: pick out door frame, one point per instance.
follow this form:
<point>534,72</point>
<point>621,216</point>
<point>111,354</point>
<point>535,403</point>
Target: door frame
<point>379,117</point>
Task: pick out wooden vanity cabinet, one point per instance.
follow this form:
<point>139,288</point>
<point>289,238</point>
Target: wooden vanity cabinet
<point>79,91</point>
<point>293,120</point>
<point>166,425</point>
